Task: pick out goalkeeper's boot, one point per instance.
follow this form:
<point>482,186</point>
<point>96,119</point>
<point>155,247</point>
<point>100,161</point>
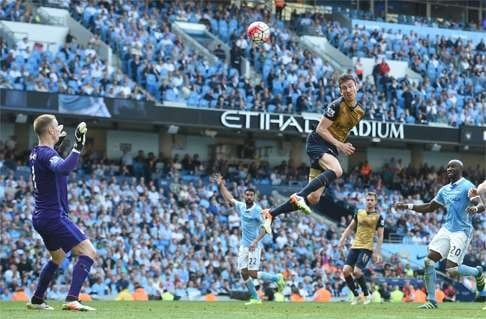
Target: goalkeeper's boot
<point>76,306</point>
<point>299,201</point>
<point>39,306</point>
<point>354,300</point>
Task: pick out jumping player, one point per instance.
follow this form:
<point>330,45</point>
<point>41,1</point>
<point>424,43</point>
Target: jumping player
<point>323,145</point>
<point>365,222</point>
<point>50,217</point>
<point>250,246</point>
<point>452,240</point>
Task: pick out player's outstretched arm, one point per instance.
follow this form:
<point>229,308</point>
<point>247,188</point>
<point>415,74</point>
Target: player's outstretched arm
<point>420,208</point>
<point>223,190</point>
<point>323,131</point>
<point>348,231</point>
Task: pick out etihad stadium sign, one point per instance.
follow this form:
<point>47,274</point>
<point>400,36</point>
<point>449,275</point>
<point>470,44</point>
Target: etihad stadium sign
<point>123,110</point>
<point>305,123</point>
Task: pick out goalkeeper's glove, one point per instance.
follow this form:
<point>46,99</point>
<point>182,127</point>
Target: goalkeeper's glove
<point>62,136</point>
<point>80,136</point>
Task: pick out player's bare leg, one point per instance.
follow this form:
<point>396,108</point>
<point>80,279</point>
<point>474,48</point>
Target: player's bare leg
<point>87,254</point>
<point>47,274</point>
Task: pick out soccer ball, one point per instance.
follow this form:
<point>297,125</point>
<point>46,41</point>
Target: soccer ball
<point>258,32</point>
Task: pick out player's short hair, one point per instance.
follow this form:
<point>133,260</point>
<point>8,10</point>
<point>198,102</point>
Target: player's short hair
<point>372,194</point>
<point>346,77</point>
<point>42,122</point>
<point>252,190</point>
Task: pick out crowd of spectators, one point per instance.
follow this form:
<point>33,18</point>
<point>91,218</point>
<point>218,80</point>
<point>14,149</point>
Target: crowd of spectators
<point>433,22</point>
<point>161,225</point>
<point>452,69</point>
<point>71,69</point>
<point>292,78</point>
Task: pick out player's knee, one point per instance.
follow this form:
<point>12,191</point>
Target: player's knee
<point>244,274</point>
<point>313,198</point>
<point>357,273</point>
<point>429,262</point>
<point>92,254</point>
<point>57,259</point>
<point>347,271</point>
<point>85,249</point>
<point>253,274</point>
<point>338,171</point>
<point>453,271</point>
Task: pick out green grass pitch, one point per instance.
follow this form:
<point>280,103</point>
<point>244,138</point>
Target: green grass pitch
<point>237,310</point>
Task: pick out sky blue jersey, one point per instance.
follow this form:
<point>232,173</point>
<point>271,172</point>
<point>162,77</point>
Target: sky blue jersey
<point>251,222</point>
<point>453,197</point>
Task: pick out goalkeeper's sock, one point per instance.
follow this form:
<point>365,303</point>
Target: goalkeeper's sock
<point>352,285</point>
<point>267,276</point>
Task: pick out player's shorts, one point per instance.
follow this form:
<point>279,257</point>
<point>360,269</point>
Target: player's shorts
<point>59,233</point>
<point>316,147</point>
<point>450,245</point>
<point>358,257</point>
<point>249,259</point>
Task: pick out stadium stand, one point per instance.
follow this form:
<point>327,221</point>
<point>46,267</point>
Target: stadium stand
<point>171,72</point>
<point>160,225</point>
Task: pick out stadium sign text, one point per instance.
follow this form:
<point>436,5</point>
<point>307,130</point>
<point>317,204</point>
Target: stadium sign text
<point>304,124</point>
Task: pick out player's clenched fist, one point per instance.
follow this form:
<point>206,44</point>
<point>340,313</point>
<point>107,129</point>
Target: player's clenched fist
<point>80,136</point>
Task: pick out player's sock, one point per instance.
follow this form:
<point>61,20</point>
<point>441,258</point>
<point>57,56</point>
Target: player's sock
<point>251,288</point>
<point>80,272</point>
<point>323,179</point>
<point>429,275</point>
<point>352,285</point>
<point>45,278</point>
<point>286,207</point>
<point>468,271</point>
<point>267,276</point>
<point>362,283</point>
